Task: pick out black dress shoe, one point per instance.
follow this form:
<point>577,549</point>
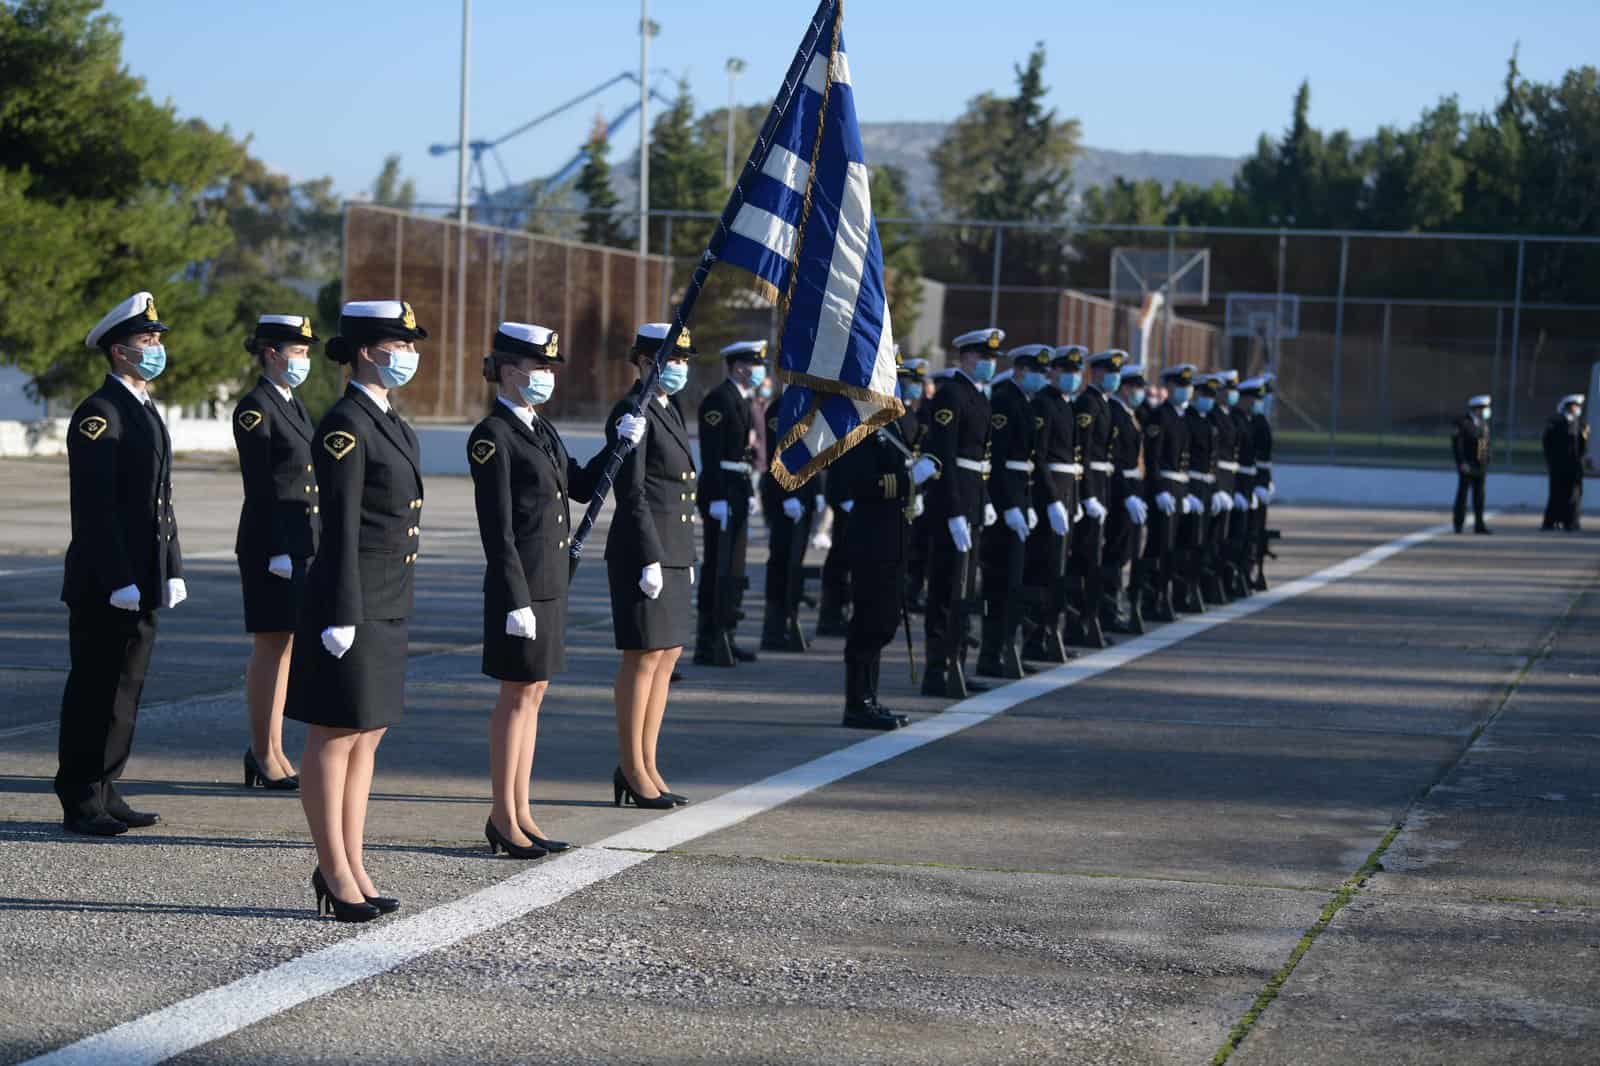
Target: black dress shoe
<point>1484,531</point>
<point>866,716</point>
<point>328,903</point>
<point>678,799</point>
<point>744,655</point>
<point>676,677</point>
<point>254,775</point>
<point>385,904</point>
<point>498,843</point>
<point>94,825</point>
<point>117,808</point>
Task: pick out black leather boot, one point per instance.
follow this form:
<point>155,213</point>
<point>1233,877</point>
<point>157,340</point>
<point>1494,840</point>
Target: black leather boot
<point>773,635</point>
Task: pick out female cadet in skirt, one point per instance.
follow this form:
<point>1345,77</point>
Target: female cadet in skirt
<point>278,527</point>
<point>348,668</point>
<point>523,481</point>
<point>650,566</point>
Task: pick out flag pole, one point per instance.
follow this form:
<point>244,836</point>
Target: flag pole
<point>818,34</point>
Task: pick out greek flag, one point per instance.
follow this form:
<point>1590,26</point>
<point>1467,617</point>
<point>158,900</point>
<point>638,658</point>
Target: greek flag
<point>806,228</point>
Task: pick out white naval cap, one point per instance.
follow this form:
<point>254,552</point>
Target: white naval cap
<point>1037,354</point>
<point>650,335</point>
<point>363,321</point>
<point>1180,374</point>
<point>1481,401</point>
<point>281,329</point>
<point>746,352</point>
<point>524,340</point>
<point>1261,383</point>
<point>1225,377</point>
<point>990,338</point>
<point>1569,399</point>
<point>1110,359</point>
<point>136,314</point>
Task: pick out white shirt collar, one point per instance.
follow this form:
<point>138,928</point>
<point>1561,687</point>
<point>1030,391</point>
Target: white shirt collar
<point>662,400</point>
<point>1121,403</point>
<point>381,401</point>
<point>142,397</point>
<point>966,375</point>
<point>283,390</point>
<point>521,411</point>
<point>743,390</point>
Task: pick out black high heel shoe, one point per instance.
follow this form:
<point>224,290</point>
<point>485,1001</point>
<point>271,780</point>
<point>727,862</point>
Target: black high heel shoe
<point>254,775</point>
<point>677,800</point>
<point>498,842</point>
<point>385,904</point>
<point>554,847</point>
<point>621,790</point>
<point>328,903</point>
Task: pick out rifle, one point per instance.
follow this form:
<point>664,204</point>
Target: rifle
<point>795,584</point>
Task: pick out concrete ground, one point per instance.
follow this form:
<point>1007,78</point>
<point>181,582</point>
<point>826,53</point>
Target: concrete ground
<point>1357,825</point>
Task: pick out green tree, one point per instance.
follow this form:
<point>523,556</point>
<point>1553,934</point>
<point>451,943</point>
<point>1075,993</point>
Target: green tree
<point>902,254</point>
<point>685,175</point>
<point>1306,179</point>
<point>600,224</point>
<point>391,187</point>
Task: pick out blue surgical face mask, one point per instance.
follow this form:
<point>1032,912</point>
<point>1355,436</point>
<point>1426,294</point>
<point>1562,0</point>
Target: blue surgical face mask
<point>1180,394</point>
<point>1069,382</point>
<point>1111,380</point>
<point>984,371</point>
<point>402,367</point>
<point>674,376</point>
<point>1033,381</point>
<point>1204,404</point>
<point>540,387</point>
<point>1231,397</point>
<point>1136,397</point>
<point>765,391</point>
<point>758,374</point>
<point>1258,407</point>
<point>911,392</point>
<point>152,361</point>
<point>295,371</point>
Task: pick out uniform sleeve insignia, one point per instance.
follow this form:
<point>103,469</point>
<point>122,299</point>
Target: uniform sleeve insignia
<point>482,451</point>
<point>998,421</point>
<point>772,424</point>
<point>339,443</point>
<point>1038,421</point>
<point>713,418</point>
<point>944,416</point>
<point>249,420</point>
<point>92,427</point>
<point>1152,430</point>
<point>1085,420</point>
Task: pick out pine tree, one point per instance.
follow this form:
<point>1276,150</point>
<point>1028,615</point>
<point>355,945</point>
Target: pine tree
<point>600,224</point>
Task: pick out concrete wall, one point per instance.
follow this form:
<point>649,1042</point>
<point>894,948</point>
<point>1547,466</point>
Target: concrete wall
<point>48,436</point>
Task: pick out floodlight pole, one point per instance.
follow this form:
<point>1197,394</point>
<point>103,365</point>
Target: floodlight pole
<point>461,208</point>
<point>645,31</point>
<point>994,278</point>
<point>735,67</point>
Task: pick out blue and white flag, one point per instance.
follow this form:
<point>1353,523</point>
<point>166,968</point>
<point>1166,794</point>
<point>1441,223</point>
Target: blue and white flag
<point>806,228</point>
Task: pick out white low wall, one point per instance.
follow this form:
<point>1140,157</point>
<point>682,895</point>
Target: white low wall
<point>19,440</point>
<point>1378,486</point>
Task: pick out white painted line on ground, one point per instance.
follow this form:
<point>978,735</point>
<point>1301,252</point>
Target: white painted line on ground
<point>223,1011</point>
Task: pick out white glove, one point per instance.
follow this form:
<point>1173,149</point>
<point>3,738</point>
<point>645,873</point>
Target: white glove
<point>1220,502</point>
<point>719,512</point>
<point>281,566</point>
<point>1192,505</point>
<point>1057,513</point>
<point>1017,522</point>
<point>1166,503</point>
<point>917,506</point>
<point>820,504</point>
<point>1138,513</point>
<point>338,640</point>
<point>1240,503</point>
<point>176,593</point>
<point>847,506</point>
<point>923,469</point>
<point>990,515</point>
<point>631,428</point>
<point>691,575</point>
<point>793,509</point>
<point>1094,509</point>
<point>650,582</point>
<point>1077,516</point>
<point>126,598</point>
<point>1272,491</point>
<point>1033,519</point>
<point>821,542</point>
<point>1263,495</point>
<point>522,623</point>
<point>961,533</point>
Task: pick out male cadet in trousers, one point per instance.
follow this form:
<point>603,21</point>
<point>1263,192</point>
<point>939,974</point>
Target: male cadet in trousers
<point>912,376</point>
<point>122,563</point>
<point>1566,443</point>
<point>1056,472</point>
<point>1195,527</point>
<point>724,492</point>
<point>1122,610</point>
<point>792,516</point>
<point>1239,542</point>
<point>1092,419</point>
<point>1219,544</point>
<point>1261,490</point>
<point>1003,547</point>
<point>1166,458</point>
<point>958,440</point>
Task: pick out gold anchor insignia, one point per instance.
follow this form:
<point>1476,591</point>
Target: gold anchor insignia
<point>994,340</point>
<point>483,451</point>
<point>305,326</point>
<point>339,443</point>
<point>150,309</point>
<point>683,340</point>
<point>408,318</point>
<point>92,427</point>
<point>249,420</point>
<point>552,347</point>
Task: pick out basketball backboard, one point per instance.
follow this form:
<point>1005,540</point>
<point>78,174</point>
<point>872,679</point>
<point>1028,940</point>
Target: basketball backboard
<point>1183,275</point>
<point>1266,315</point>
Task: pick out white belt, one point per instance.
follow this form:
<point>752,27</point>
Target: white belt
<point>737,468</point>
<point>1020,465</point>
<point>1223,464</point>
<point>1134,472</point>
<point>1209,479</point>
<point>1173,475</point>
<point>1065,468</point>
<point>1101,468</point>
<point>977,466</point>
<point>1247,470</point>
<point>1263,466</point>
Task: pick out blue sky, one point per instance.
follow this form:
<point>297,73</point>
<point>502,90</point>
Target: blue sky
<point>330,87</point>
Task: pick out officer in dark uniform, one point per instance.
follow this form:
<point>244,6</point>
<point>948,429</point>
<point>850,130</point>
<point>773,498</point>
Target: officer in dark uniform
<point>1126,510</point>
<point>959,441</point>
<point>1470,445</point>
<point>1239,550</point>
<point>1054,488</point>
<point>278,528</point>
<point>1004,546</point>
<point>912,378</point>
<point>1566,444</point>
<point>1219,565</point>
<point>725,489</point>
<point>1195,525</point>
<point>1166,455</point>
<point>1262,489</point>
<point>122,564</point>
<point>792,515</point>
<point>1092,418</point>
